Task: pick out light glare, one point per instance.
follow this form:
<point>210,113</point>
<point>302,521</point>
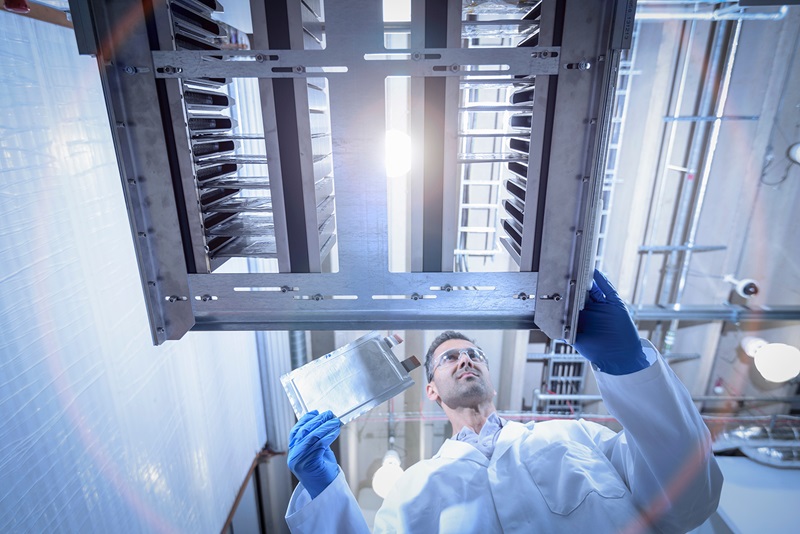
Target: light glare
<point>398,153</point>
<point>778,362</point>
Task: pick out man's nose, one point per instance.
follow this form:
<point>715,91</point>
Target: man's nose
<point>464,360</point>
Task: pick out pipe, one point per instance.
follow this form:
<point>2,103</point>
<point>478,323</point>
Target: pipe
<point>709,158</point>
<point>694,160</point>
<point>538,397</point>
<point>734,12</point>
<point>298,348</point>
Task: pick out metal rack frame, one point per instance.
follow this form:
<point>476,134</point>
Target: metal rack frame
<point>575,64</point>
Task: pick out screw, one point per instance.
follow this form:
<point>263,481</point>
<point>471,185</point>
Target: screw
<point>299,69</point>
<point>260,58</point>
<point>454,68</point>
<point>131,181</point>
<point>151,283</point>
<point>545,54</point>
<point>160,330</point>
<point>448,288</point>
<point>141,234</point>
<point>522,296</point>
<point>284,289</point>
<point>415,296</point>
<point>317,297</point>
<point>131,70</point>
<point>584,65</point>
<point>416,56</point>
<point>557,297</point>
<point>206,298</point>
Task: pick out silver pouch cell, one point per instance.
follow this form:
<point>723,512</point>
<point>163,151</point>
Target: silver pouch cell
<point>351,380</point>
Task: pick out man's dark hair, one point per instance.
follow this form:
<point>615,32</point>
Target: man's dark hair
<point>441,338</point>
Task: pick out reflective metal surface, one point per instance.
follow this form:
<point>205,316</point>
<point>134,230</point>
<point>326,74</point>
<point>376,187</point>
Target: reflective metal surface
<point>349,381</point>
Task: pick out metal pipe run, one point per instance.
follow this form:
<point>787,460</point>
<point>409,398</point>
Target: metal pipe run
<point>734,12</point>
<point>539,397</point>
<point>708,159</point>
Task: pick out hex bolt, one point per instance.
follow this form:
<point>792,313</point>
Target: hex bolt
<point>416,56</point>
<point>584,65</point>
<point>151,283</point>
<point>131,70</point>
<point>317,297</point>
<point>522,296</point>
<point>299,69</point>
<point>285,289</point>
<point>555,296</point>
<point>454,68</point>
<point>601,58</point>
<point>448,288</point>
<point>206,298</point>
<point>566,331</point>
<point>141,234</point>
<point>572,283</point>
<point>585,179</point>
<point>260,58</point>
<point>172,298</point>
<point>592,121</point>
<point>545,54</point>
<point>415,296</point>
<point>131,181</point>
<point>579,232</point>
<point>160,330</point>
<point>120,124</point>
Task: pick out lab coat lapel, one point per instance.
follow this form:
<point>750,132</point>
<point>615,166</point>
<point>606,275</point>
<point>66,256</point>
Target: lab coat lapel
<point>458,450</point>
<point>508,435</point>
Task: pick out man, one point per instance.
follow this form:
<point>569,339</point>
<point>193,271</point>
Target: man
<point>657,475</point>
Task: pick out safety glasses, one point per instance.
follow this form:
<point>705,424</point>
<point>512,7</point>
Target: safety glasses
<point>451,356</point>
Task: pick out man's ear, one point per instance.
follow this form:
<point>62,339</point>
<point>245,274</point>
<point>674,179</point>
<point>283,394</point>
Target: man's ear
<point>431,392</point>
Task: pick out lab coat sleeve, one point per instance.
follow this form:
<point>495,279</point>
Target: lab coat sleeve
<point>333,511</point>
<point>664,451</point>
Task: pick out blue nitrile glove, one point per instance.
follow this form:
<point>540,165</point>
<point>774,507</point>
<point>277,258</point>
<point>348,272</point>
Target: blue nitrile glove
<point>606,334</point>
<point>310,456</point>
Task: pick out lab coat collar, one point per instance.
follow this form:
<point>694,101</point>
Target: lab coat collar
<point>458,450</point>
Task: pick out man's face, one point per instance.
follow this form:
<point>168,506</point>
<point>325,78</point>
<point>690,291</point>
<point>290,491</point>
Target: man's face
<point>463,383</point>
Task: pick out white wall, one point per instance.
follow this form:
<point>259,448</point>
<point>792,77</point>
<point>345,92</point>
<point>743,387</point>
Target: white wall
<point>101,431</point>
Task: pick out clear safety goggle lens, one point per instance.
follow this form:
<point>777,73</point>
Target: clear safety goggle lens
<point>451,356</point>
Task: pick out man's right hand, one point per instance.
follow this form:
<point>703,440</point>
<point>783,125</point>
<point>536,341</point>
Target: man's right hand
<point>310,456</point>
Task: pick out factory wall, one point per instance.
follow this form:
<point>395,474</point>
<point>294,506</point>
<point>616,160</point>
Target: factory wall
<point>101,431</point>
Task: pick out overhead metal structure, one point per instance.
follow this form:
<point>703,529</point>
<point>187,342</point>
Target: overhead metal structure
<point>314,197</point>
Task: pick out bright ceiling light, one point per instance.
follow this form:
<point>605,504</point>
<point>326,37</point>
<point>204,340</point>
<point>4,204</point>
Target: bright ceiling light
<point>398,153</point>
<point>776,362</point>
<point>387,474</point>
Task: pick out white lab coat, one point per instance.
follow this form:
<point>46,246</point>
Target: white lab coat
<point>658,474</point>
